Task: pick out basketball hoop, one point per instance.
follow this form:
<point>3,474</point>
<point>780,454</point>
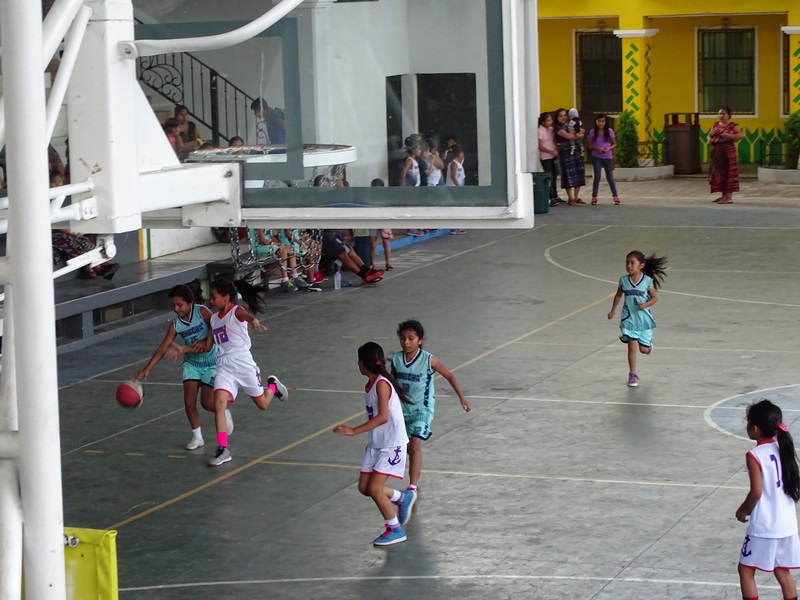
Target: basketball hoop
<point>323,163</point>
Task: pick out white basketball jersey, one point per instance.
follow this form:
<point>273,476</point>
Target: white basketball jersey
<point>774,515</point>
<point>392,433</point>
<point>460,175</point>
<point>412,175</point>
<point>230,333</point>
<point>435,177</point>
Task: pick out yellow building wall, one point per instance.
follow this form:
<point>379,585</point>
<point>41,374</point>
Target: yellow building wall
<point>673,57</point>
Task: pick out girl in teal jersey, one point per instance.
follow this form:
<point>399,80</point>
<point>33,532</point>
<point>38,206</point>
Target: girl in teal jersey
<point>414,369</point>
<point>191,323</point>
<point>639,288</point>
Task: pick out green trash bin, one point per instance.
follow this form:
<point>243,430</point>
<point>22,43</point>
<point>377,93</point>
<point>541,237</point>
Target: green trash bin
<point>541,193</point>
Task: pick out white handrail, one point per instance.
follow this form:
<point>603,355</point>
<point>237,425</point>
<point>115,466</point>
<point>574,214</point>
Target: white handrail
<point>54,27</point>
<point>132,50</point>
<point>72,44</point>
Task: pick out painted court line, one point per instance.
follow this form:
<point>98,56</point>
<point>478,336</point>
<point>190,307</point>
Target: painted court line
<point>552,261</point>
<point>230,474</point>
<point>122,432</point>
<point>453,578</point>
<point>593,480</point>
<point>327,429</point>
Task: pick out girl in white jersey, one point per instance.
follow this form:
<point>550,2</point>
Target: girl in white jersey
<point>385,455</point>
<point>771,542</point>
<point>235,365</point>
<point>409,176</point>
<point>455,168</point>
<point>639,288</point>
<point>456,176</point>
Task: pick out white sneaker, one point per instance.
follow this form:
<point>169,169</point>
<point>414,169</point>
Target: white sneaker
<point>228,421</point>
<point>195,443</point>
<point>222,456</point>
<point>281,393</point>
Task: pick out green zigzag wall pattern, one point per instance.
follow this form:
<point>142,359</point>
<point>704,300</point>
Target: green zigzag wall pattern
<point>630,92</point>
<point>749,146</point>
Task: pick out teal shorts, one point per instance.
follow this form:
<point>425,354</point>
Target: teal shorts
<point>204,375</point>
<point>644,336</point>
<point>418,423</point>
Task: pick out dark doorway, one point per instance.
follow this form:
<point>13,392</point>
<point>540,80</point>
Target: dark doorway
<point>394,128</point>
<point>447,108</point>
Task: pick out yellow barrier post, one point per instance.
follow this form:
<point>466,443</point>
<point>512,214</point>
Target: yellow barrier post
<point>91,564</point>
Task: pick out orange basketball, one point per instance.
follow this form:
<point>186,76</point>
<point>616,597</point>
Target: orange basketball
<point>130,394</point>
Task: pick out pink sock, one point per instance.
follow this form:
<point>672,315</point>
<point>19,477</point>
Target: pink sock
<point>222,438</point>
<point>272,388</point>
<point>412,487</point>
<point>284,279</point>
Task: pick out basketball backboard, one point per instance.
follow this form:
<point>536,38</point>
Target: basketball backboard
<point>376,77</point>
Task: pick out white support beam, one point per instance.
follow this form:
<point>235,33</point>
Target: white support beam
<point>132,50</point>
<point>9,445</point>
<point>103,130</point>
<point>30,258</point>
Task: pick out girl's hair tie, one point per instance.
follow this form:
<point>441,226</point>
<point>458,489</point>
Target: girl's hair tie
<point>783,427</point>
<point>378,363</point>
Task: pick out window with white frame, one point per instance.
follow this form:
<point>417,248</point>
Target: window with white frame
<point>726,70</point>
<point>599,72</point>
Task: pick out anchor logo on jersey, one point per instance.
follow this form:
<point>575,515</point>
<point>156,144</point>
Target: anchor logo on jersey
<point>745,551</point>
<point>396,458</point>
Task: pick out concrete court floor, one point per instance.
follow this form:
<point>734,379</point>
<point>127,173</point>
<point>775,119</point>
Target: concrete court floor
<point>561,483</point>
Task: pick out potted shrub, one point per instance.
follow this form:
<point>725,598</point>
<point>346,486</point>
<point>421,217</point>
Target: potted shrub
<point>790,174</point>
<point>627,141</point>
<point>627,154</point>
<point>793,140</point>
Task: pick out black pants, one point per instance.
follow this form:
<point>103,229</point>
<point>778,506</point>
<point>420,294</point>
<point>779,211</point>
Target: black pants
<point>549,166</point>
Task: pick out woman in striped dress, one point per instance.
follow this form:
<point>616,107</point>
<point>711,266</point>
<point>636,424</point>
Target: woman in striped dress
<point>570,154</point>
<point>723,171</point>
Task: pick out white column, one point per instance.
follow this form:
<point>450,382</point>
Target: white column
<point>10,504</point>
<point>313,23</point>
<point>103,119</point>
<point>30,259</point>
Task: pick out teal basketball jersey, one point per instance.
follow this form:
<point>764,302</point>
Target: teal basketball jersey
<point>191,331</point>
<point>632,318</point>
<point>416,378</point>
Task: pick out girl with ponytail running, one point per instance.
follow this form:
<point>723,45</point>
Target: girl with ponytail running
<point>639,287</point>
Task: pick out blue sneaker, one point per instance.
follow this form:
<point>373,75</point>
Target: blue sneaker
<point>405,505</point>
<point>390,536</point>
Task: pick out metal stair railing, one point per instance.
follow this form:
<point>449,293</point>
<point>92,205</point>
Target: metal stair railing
<point>213,101</point>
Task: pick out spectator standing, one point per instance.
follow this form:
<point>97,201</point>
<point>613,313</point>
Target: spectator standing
<point>573,171</point>
<point>385,235</point>
<point>456,176</point>
<point>548,153</point>
<point>723,172</point>
<point>602,143</point>
<point>273,120</point>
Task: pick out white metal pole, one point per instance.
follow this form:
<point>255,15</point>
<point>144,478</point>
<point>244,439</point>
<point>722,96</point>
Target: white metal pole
<point>30,259</point>
<point>53,29</point>
<point>10,506</point>
<point>72,44</point>
<point>132,50</point>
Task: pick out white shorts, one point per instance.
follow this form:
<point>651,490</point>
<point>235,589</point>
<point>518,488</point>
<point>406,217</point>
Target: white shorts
<point>768,554</point>
<point>238,370</point>
<point>385,461</point>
